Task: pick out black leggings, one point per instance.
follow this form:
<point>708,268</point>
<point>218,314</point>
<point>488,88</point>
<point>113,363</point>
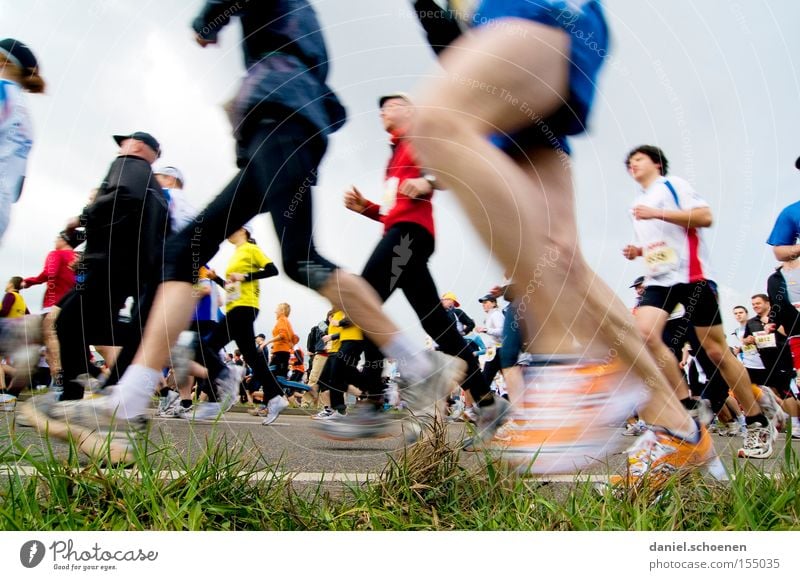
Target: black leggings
<point>238,326</point>
<point>400,261</point>
<point>280,360</point>
<point>344,372</point>
<point>277,172</point>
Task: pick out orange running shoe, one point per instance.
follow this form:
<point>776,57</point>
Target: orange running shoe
<point>561,422</point>
<point>658,455</point>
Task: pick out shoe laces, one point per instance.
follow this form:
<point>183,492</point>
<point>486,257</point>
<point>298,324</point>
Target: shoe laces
<point>756,436</point>
<point>647,449</point>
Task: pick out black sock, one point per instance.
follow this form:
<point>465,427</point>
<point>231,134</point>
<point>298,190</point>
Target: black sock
<point>760,418</point>
<point>689,403</point>
<point>186,403</point>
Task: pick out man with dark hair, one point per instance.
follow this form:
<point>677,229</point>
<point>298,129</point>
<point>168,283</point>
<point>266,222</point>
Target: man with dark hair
<point>668,220</point>
<point>655,154</point>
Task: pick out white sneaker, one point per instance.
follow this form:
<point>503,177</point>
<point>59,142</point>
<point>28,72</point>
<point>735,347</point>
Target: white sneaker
<point>758,441</point>
<point>274,407</point>
<point>166,405</point>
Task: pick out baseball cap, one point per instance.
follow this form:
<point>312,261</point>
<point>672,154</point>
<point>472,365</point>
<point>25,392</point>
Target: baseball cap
<point>638,282</point>
<point>18,53</point>
<point>797,163</point>
<point>400,95</point>
<point>451,296</point>
<point>488,298</point>
<point>170,171</point>
<point>145,138</point>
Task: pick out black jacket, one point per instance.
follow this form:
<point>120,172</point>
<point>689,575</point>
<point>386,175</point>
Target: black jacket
<point>126,226</point>
<point>782,312</point>
<point>314,343</point>
<point>459,315</point>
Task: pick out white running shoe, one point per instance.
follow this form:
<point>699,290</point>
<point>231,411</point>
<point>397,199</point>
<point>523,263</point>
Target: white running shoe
<point>274,408</point>
<point>560,422</point>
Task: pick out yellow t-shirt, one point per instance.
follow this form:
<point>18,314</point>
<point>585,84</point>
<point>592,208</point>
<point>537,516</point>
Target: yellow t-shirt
<point>350,333</point>
<point>247,258</point>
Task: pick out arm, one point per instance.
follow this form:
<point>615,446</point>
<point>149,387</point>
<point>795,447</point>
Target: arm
<point>8,302</point>
<point>463,318</point>
<point>354,201</point>
<point>214,16</point>
<point>698,217</point>
<point>42,277</point>
<point>786,253</point>
<point>440,26</point>
<point>267,271</point>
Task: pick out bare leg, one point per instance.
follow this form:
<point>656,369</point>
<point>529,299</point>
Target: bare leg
<point>713,340</point>
<point>525,212</point>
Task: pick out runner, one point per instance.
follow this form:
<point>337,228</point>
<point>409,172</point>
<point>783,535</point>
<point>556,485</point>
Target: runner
<point>668,218</point>
<point>400,262</point>
<point>493,129</point>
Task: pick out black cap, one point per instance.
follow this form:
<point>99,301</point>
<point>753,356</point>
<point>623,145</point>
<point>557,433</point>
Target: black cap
<point>638,282</point>
<point>797,163</point>
<point>488,298</point>
<point>145,138</point>
<point>18,52</point>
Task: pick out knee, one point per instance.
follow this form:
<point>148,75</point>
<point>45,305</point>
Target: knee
<point>716,353</point>
<point>433,124</point>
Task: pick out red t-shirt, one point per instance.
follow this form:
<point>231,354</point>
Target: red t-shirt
<point>397,207</point>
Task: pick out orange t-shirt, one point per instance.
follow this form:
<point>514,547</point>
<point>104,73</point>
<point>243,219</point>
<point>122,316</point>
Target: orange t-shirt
<point>283,330</point>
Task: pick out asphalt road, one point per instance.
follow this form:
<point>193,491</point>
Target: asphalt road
<point>291,445</point>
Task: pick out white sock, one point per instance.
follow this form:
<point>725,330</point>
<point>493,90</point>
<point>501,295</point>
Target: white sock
<point>134,391</point>
<point>412,367</point>
<point>795,424</point>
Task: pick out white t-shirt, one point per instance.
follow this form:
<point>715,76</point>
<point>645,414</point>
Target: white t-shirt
<point>672,254</point>
<point>749,355</point>
<point>16,139</point>
<point>181,211</point>
<point>494,327</point>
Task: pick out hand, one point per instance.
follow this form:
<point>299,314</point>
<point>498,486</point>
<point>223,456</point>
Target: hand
<point>416,187</point>
<point>769,328</point>
<point>682,364</point>
<point>643,212</point>
<point>204,42</point>
<point>235,277</point>
<point>354,201</point>
<point>326,339</point>
<point>749,340</point>
<point>631,252</point>
<point>480,329</point>
<point>24,284</point>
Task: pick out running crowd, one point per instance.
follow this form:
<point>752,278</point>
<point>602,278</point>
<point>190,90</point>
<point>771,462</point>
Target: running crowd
<point>139,295</point>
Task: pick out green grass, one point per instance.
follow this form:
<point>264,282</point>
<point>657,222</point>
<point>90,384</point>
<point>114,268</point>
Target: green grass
<point>426,488</point>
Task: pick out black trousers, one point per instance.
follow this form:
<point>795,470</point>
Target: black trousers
<point>341,370</point>
<point>90,315</point>
<point>276,175</point>
<point>400,262</point>
<point>238,326</point>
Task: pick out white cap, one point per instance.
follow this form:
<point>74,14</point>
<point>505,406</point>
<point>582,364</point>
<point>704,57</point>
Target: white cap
<point>170,171</point>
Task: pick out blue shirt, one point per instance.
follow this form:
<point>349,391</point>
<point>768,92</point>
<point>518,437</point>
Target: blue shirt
<point>787,227</point>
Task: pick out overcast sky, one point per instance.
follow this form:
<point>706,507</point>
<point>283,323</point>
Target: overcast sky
<point>713,83</point>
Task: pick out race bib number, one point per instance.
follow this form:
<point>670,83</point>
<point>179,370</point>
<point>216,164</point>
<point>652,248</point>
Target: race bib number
<point>749,348</point>
<point>233,291</point>
<point>389,195</point>
<point>764,340</point>
<point>660,259</point>
<point>491,352</point>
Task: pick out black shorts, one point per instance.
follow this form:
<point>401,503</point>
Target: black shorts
<point>698,298</point>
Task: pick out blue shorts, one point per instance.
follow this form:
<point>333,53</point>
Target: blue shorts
<point>585,23</point>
